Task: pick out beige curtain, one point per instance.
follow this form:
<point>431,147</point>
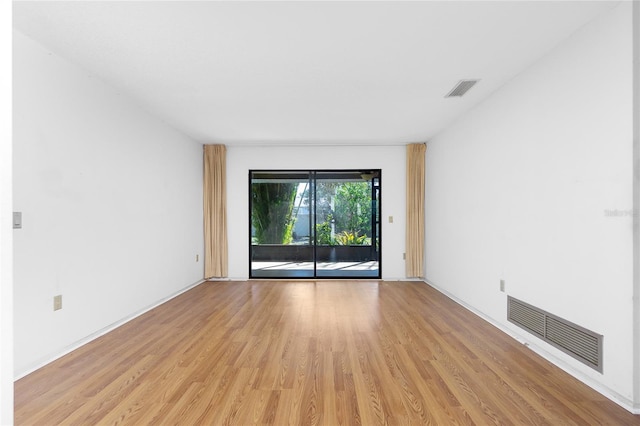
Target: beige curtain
<point>215,211</point>
<point>415,210</point>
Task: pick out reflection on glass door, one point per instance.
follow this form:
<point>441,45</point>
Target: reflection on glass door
<point>281,224</point>
<point>323,224</point>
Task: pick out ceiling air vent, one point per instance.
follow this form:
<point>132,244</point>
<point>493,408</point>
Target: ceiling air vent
<point>461,88</point>
<point>582,344</point>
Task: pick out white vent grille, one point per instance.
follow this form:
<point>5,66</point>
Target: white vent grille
<point>582,344</point>
<point>461,88</point>
<point>526,317</point>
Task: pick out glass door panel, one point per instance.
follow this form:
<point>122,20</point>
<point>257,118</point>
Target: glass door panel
<point>281,225</point>
<point>346,232</point>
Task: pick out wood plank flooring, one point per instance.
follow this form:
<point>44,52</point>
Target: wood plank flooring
<point>326,353</point>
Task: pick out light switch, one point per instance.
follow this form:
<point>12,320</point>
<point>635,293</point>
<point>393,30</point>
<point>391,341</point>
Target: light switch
<point>390,219</point>
<point>17,220</point>
<point>57,302</point>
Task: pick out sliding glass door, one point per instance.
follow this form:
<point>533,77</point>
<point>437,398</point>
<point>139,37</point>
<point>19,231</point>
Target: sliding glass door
<point>315,224</point>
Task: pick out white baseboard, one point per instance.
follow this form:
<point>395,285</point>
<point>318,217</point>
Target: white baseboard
<point>614,396</point>
<point>100,332</point>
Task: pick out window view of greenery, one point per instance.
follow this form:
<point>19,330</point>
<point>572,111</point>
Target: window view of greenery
<point>272,212</point>
<point>281,212</point>
<point>343,213</point>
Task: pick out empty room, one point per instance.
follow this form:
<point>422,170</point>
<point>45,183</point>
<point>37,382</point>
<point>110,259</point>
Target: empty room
<point>321,212</point>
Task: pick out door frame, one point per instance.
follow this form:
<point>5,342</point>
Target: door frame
<point>312,176</point>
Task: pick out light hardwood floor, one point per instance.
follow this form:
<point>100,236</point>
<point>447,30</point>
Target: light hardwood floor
<point>326,352</point>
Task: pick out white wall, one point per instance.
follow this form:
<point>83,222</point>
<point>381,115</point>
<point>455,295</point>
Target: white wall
<point>391,159</point>
<point>6,233</point>
<point>520,189</point>
<point>111,201</point>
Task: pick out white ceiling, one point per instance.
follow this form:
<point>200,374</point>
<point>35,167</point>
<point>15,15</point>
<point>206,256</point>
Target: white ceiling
<point>304,72</point>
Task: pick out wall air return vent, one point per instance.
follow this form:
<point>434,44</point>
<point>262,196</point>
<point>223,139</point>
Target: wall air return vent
<point>461,88</point>
<point>580,343</point>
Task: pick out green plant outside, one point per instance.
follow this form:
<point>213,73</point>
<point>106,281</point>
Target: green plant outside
<point>352,215</point>
<point>353,208</point>
<point>323,232</point>
<point>272,212</point>
<point>346,238</point>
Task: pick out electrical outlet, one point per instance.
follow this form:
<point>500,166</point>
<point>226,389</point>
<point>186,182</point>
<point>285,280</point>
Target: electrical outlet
<point>390,219</point>
<point>502,286</point>
<point>57,302</point>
